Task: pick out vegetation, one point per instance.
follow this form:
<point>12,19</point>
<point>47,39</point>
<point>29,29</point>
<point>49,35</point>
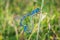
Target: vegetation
<point>11,11</point>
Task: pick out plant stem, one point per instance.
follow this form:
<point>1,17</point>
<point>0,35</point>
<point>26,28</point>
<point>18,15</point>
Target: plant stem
<point>39,24</point>
<point>16,32</point>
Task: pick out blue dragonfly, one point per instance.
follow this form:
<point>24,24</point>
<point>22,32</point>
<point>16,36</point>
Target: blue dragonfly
<point>35,11</point>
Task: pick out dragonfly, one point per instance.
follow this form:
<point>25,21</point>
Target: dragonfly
<point>35,11</point>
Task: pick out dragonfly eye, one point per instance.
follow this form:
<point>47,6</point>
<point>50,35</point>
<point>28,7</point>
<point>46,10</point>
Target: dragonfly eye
<point>35,11</point>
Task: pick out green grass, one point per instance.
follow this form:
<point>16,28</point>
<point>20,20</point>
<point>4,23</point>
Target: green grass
<point>10,28</point>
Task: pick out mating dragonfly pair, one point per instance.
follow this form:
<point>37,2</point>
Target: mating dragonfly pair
<point>35,11</point>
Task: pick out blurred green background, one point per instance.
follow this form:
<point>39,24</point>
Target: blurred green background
<point>11,12</point>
